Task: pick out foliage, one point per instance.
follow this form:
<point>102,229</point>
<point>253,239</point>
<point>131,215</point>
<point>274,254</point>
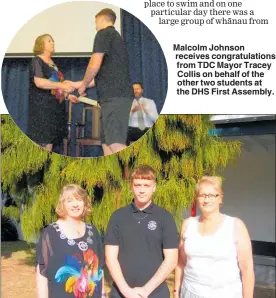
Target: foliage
<point>178,147</point>
<point>12,212</point>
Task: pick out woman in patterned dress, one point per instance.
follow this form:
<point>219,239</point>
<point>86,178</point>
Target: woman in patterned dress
<point>69,253</point>
<point>47,119</point>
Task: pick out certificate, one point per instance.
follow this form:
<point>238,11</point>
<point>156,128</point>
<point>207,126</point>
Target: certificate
<point>88,101</point>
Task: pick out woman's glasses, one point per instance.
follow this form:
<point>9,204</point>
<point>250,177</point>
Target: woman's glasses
<point>210,196</point>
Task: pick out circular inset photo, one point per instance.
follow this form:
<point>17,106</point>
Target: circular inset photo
<point>84,79</point>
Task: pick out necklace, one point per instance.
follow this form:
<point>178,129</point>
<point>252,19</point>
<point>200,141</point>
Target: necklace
<point>53,65</point>
<point>82,245</point>
<point>139,218</point>
<point>49,62</point>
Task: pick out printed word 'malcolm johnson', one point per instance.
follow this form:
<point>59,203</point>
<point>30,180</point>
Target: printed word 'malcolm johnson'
<point>178,47</point>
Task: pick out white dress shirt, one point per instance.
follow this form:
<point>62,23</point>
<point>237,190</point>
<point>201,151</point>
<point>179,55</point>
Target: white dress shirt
<point>149,111</point>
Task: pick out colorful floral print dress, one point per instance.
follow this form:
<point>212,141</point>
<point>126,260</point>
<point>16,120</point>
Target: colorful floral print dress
<point>73,267</point>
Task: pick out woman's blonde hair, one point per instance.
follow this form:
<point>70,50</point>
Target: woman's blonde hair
<point>39,44</point>
<point>213,180</point>
<point>75,191</point>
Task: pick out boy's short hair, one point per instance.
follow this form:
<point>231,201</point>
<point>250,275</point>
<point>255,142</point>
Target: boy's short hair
<point>143,172</point>
<point>108,14</point>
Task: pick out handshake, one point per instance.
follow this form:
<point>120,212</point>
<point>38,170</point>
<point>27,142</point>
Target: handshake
<point>69,87</point>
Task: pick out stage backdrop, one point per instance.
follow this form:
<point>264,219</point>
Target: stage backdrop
<point>147,64</point>
<point>71,24</point>
<point>147,61</point>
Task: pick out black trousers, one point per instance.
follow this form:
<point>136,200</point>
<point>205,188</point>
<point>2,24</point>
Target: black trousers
<point>135,133</point>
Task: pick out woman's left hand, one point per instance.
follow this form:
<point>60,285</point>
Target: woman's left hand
<point>73,98</point>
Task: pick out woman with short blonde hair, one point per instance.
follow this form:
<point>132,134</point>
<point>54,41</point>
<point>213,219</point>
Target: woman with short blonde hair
<point>69,252</point>
<point>215,255</point>
<point>77,192</point>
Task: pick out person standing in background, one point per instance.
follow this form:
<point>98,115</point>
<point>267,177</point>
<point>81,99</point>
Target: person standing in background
<point>142,116</point>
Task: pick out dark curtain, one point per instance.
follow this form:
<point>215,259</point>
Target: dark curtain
<point>146,59</point>
<point>15,88</point>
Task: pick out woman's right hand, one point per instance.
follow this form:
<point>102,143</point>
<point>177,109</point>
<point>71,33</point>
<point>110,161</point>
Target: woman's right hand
<point>67,87</point>
<point>76,84</point>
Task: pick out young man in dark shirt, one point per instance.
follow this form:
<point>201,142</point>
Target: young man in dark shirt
<point>141,244</point>
<point>109,68</point>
